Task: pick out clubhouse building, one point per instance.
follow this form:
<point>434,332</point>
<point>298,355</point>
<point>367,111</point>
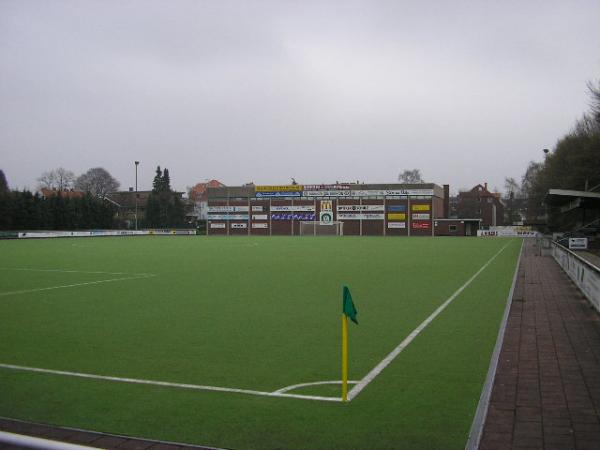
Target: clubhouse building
<point>356,209</point>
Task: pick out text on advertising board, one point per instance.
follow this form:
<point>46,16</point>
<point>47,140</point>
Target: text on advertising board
<point>397,216</point>
<point>283,188</point>
<point>421,225</point>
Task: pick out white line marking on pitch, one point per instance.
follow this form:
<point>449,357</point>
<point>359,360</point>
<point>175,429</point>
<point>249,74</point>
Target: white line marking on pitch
<point>27,291</point>
<point>75,271</point>
<point>394,353</point>
<point>168,384</point>
<point>314,383</point>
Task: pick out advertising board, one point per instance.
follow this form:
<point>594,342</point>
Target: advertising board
<point>360,208</point>
<point>286,208</point>
<point>580,243</point>
<point>420,207</point>
<point>396,225</point>
<point>360,216</point>
<point>280,188</point>
<point>421,225</point>
<point>420,216</point>
<point>397,216</point>
<point>228,217</point>
<point>396,208</point>
<point>278,194</point>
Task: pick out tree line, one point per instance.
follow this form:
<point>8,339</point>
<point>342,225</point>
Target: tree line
<point>63,209</point>
<point>574,164</point>
<point>24,210</point>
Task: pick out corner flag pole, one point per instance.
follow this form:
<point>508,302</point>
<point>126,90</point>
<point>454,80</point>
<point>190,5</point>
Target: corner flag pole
<point>344,358</point>
<point>348,311</point>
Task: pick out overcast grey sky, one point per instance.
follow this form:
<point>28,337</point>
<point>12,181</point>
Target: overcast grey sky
<point>263,91</point>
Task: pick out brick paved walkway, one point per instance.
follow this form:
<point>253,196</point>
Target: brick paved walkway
<point>547,388</point>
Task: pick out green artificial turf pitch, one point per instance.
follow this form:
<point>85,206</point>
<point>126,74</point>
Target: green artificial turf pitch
<point>251,313</point>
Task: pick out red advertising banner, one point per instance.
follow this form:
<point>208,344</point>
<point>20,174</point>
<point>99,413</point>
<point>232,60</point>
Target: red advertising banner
<point>418,225</point>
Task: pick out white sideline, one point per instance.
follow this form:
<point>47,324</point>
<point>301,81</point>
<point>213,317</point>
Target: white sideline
<point>27,291</point>
<point>167,384</point>
<point>73,271</point>
<point>394,353</point>
<point>20,440</point>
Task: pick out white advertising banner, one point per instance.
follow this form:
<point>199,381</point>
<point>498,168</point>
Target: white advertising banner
<point>289,208</point>
<point>227,209</point>
<point>360,208</point>
<point>257,208</point>
<point>260,225</point>
<point>421,216</point>
<point>391,192</point>
<point>578,243</point>
<point>239,225</point>
<point>507,233</point>
<point>396,225</point>
<point>228,217</point>
<point>360,216</point>
<point>260,217</point>
<point>217,225</point>
<point>326,193</point>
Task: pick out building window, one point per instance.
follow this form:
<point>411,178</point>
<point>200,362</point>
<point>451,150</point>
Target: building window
<point>489,200</point>
<point>452,228</point>
<point>479,211</point>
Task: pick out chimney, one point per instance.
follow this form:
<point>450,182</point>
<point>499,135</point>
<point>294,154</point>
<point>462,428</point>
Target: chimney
<point>485,185</point>
<point>446,211</point>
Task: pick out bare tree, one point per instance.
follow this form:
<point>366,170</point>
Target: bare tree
<point>411,177</point>
<point>595,94</point>
<point>512,189</point>
<point>60,179</point>
<point>97,181</point>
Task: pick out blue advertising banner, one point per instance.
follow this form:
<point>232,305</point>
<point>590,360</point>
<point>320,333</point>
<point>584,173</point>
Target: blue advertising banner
<point>293,216</point>
<point>397,208</point>
<point>278,194</point>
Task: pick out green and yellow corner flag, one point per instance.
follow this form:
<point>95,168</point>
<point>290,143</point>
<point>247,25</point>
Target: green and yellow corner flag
<point>348,311</point>
<point>348,305</point>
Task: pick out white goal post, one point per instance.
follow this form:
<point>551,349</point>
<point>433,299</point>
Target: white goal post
<point>315,228</point>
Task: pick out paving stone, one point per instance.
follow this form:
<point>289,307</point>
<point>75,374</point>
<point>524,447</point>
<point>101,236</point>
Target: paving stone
<point>548,374</point>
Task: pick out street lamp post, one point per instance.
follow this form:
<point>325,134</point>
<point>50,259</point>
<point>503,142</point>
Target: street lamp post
<point>136,196</point>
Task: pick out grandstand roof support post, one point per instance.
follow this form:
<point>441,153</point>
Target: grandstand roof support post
<point>270,220</point>
<point>228,221</point>
<point>432,212</point>
<point>384,213</point>
<point>361,213</point>
<point>249,216</point>
<point>315,219</point>
<point>408,220</point>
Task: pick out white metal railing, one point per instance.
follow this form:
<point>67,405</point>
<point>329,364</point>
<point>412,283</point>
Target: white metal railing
<point>583,273</point>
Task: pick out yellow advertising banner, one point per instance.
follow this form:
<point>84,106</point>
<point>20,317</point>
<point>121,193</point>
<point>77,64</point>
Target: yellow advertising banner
<point>286,188</point>
<point>420,207</point>
<point>326,205</point>
<point>397,216</point>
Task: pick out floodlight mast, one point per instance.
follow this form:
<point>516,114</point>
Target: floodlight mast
<point>136,195</point>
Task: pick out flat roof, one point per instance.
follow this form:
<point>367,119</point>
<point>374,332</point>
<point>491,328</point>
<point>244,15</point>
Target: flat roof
<point>561,196</point>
